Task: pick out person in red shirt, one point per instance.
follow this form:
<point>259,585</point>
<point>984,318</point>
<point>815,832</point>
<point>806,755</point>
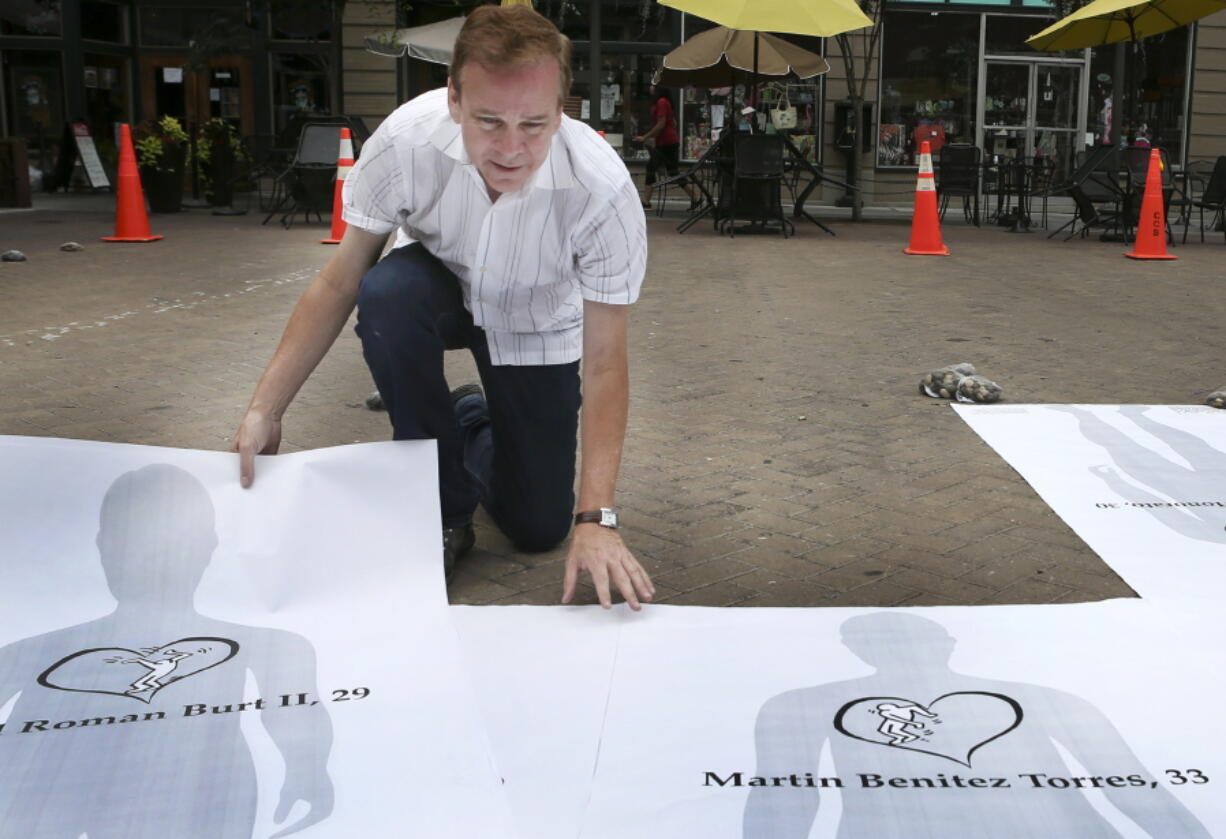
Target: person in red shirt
<point>666,153</point>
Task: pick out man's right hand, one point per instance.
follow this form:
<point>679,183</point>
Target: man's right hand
<point>317,319</point>
<point>259,433</point>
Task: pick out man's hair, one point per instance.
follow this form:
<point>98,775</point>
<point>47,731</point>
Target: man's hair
<point>503,37</point>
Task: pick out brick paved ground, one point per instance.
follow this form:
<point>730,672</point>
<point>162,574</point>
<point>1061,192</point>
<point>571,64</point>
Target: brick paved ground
<point>778,453</point>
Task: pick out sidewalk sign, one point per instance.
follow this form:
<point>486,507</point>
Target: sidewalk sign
<point>79,143</point>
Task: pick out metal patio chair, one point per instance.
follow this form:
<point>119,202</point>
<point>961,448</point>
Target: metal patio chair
<point>1096,191</point>
<point>1212,197</point>
<point>306,184</point>
<point>958,176</point>
<point>757,182</point>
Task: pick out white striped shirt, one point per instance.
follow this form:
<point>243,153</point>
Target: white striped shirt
<point>574,231</point>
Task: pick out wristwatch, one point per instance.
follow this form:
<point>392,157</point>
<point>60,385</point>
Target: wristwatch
<point>605,517</point>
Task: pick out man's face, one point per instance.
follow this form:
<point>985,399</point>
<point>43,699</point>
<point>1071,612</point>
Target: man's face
<point>507,119</point>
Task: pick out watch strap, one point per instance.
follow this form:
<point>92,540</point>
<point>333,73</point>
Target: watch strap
<point>604,517</point>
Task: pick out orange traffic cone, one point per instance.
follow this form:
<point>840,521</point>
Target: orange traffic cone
<point>925,226</point>
<point>1151,224</point>
<point>131,220</point>
<point>344,162</point>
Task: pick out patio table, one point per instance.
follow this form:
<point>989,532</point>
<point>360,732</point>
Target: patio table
<point>1014,180</point>
<point>713,173</point>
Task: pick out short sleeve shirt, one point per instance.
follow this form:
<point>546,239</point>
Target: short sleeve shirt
<point>668,134</point>
<point>575,231</point>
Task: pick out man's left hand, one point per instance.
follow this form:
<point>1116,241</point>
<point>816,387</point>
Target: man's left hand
<point>601,552</point>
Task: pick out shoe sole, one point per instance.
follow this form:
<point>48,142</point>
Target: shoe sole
<point>465,391</point>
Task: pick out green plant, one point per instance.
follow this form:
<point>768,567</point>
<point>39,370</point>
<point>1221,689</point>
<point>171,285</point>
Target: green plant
<point>213,133</point>
<point>212,136</point>
<point>157,143</point>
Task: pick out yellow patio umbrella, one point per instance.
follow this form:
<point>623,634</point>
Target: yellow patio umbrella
<point>822,18</point>
<point>1110,21</point>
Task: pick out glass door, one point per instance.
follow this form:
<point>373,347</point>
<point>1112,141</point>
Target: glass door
<point>1030,109</point>
<point>1057,88</point>
<point>1007,109</point>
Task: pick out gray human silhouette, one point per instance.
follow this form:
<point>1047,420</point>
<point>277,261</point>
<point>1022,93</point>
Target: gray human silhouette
<point>82,752</point>
<point>979,728</point>
<point>1200,481</point>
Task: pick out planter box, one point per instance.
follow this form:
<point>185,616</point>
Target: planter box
<point>164,189</point>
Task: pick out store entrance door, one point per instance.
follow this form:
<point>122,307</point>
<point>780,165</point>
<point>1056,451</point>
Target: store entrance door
<point>223,89</point>
<point>1032,109</point>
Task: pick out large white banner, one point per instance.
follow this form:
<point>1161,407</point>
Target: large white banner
<point>1080,721</point>
<point>180,657</point>
<point>1143,485</point>
<point>542,676</point>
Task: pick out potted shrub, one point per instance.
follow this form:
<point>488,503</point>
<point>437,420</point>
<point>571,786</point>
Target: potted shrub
<point>161,153</point>
<point>219,151</point>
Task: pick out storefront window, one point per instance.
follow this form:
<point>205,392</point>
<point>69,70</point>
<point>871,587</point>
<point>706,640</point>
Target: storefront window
<point>705,113</point>
<point>107,98</point>
<point>1157,111</point>
<point>302,23</point>
<point>300,89</point>
<point>175,26</point>
<point>929,78</point>
<point>34,99</point>
<point>620,20</point>
<point>1101,108</point>
<point>622,104</point>
<point>1007,34</point>
<point>42,19</point>
<point>103,22</point>
<point>163,27</point>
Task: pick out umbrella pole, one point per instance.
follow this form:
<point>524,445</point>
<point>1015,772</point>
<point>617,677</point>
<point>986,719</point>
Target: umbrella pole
<point>757,85</point>
<point>1134,109</point>
<point>1117,95</point>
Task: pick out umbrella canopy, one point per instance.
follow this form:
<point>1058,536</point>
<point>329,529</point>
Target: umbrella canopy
<point>1109,21</point>
<point>719,57</point>
<point>432,42</point>
<point>822,18</point>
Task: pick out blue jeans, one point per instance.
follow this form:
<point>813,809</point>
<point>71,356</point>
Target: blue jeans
<point>513,451</point>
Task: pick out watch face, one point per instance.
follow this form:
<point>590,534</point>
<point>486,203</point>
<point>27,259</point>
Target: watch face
<point>608,518</point>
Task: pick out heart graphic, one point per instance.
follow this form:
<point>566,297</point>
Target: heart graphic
<point>118,671</point>
<point>953,726</point>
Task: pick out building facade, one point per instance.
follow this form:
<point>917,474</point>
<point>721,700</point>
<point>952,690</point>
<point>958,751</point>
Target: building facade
<point>945,71</point>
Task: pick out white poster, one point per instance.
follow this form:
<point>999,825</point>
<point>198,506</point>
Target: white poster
<point>1143,485</point>
<point>542,676</point>
<point>610,95</point>
<point>180,657</point>
<point>89,156</point>
<point>1003,721</point>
